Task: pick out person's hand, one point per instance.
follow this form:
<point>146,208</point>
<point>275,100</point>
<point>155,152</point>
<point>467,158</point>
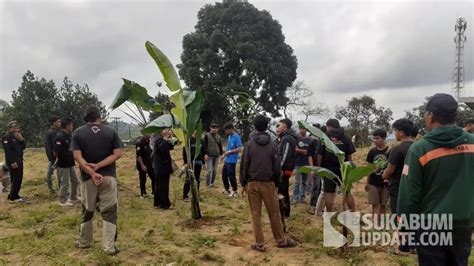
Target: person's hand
<point>144,169</point>
<point>18,136</point>
<point>313,174</point>
<point>206,157</point>
<point>244,190</point>
<point>14,165</point>
<point>223,156</point>
<point>97,179</point>
<point>94,166</point>
<point>366,187</point>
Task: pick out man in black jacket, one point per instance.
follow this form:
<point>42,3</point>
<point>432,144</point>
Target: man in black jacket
<point>260,168</point>
<point>49,140</point>
<point>287,140</point>
<point>144,164</point>
<point>163,169</point>
<point>65,163</point>
<point>13,146</point>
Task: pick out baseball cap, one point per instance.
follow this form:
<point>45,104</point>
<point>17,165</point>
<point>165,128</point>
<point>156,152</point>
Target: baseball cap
<point>442,104</point>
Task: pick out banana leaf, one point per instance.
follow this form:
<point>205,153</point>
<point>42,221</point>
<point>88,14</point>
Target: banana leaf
<point>134,93</point>
<point>166,67</point>
<point>321,171</point>
<point>161,122</point>
<point>193,112</point>
<point>356,174</point>
<point>324,139</point>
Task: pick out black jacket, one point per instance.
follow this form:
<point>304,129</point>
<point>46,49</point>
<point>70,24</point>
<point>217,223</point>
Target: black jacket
<point>259,160</point>
<point>143,149</point>
<point>49,140</point>
<point>287,149</point>
<point>162,157</point>
<point>13,149</point>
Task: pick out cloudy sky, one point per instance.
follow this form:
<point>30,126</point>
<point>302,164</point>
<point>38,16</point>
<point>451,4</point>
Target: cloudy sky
<point>397,53</point>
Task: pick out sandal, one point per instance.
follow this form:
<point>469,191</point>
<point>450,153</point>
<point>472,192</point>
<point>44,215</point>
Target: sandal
<point>259,248</point>
<point>290,242</point>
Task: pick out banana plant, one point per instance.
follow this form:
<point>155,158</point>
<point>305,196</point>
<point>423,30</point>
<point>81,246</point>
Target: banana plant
<point>185,117</point>
<point>350,173</point>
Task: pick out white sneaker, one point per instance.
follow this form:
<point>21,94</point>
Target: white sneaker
<point>232,194</point>
<point>66,204</point>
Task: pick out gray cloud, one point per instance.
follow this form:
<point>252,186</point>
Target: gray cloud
<point>396,52</point>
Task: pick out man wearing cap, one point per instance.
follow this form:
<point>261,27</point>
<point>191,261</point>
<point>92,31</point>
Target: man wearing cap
<point>13,146</point>
<point>438,179</point>
<point>49,142</point>
<point>212,150</point>
<point>96,148</point>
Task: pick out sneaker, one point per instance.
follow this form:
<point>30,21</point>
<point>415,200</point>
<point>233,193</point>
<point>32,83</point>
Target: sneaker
<point>226,193</point>
<point>19,200</point>
<point>312,211</point>
<point>232,194</point>
<point>114,252</point>
<point>78,244</point>
<point>66,204</point>
<point>290,242</point>
<point>186,199</point>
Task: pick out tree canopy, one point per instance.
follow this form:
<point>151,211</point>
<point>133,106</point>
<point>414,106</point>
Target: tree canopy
<point>237,54</point>
<point>38,99</point>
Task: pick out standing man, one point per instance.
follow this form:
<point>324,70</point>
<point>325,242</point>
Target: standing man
<point>230,157</point>
<point>469,126</point>
<point>377,189</point>
<point>330,161</point>
<point>65,163</point>
<point>437,178</point>
<point>301,180</point>
<point>163,169</point>
<point>13,146</point>
<point>286,143</point>
<point>315,179</point>
<point>260,169</point>
<point>49,143</point>
<point>403,132</point>
<point>144,164</point>
<point>212,150</point>
<point>96,149</point>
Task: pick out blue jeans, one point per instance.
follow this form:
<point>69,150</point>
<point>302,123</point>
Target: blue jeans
<point>228,174</point>
<point>299,190</point>
<point>212,163</point>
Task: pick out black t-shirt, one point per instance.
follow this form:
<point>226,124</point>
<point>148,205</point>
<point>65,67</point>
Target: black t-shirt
<point>330,160</point>
<point>96,142</point>
<point>380,158</point>
<point>144,150</point>
<point>63,149</point>
<point>397,158</point>
<point>303,143</point>
<point>313,149</point>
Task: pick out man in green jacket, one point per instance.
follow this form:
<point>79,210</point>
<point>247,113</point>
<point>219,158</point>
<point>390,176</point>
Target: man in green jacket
<point>438,178</point>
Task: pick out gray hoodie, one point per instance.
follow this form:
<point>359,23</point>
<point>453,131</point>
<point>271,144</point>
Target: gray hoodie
<point>259,160</point>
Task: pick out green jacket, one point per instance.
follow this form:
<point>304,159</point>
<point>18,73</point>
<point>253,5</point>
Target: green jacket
<point>438,176</point>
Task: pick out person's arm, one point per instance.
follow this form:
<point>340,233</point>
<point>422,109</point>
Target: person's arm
<point>96,178</point>
<point>205,144</point>
<point>244,166</point>
<point>301,151</point>
<point>10,159</point>
<point>285,150</point>
<point>117,153</point>
<point>392,162</point>
<point>411,193</point>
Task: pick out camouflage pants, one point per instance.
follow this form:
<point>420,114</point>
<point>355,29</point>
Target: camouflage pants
<point>103,196</point>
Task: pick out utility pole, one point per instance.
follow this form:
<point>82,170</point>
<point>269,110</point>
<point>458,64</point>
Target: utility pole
<point>116,120</point>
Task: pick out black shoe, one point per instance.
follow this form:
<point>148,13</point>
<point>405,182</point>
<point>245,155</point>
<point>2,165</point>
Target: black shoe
<point>78,244</point>
<point>290,242</point>
<point>114,252</point>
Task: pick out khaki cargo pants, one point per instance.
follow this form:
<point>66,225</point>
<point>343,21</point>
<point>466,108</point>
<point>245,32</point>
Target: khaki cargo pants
<point>103,196</point>
<point>266,192</point>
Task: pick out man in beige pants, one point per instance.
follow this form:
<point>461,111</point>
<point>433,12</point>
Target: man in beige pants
<point>260,169</point>
<point>96,148</point>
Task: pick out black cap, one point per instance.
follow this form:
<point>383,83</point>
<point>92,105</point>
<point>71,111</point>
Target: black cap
<point>214,125</point>
<point>442,104</point>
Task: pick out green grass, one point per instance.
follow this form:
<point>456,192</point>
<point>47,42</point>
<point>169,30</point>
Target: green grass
<point>42,233</point>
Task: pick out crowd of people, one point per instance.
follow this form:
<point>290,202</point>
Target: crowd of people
<point>429,175</point>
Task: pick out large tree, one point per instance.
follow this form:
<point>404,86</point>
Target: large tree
<point>363,116</point>
<point>237,54</point>
<point>38,99</point>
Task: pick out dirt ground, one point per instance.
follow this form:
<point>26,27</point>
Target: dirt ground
<point>41,232</point>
